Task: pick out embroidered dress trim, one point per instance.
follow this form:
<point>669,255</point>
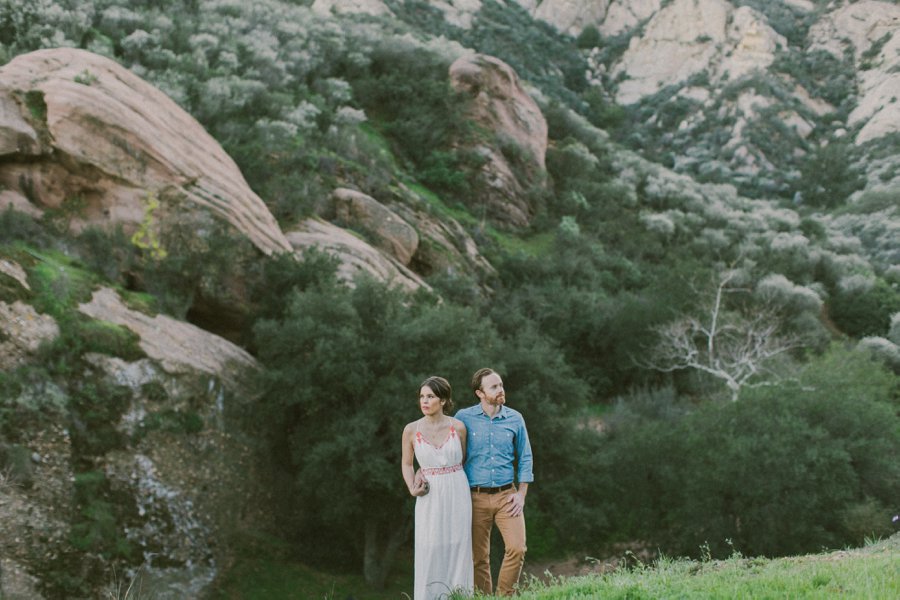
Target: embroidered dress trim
<point>421,438</point>
<point>442,470</point>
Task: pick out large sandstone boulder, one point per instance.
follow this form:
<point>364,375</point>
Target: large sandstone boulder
<point>500,105</point>
<point>79,130</point>
<point>863,24</point>
<point>354,255</point>
<point>387,230</point>
<point>445,247</point>
<point>177,346</point>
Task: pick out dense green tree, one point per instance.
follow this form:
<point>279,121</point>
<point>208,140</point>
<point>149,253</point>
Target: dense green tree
<point>782,471</point>
<point>343,366</point>
<point>865,310</point>
<point>828,176</point>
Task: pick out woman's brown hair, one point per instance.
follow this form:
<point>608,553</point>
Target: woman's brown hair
<point>441,388</point>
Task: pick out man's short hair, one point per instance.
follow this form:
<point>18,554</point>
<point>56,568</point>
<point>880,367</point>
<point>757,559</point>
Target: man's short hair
<point>478,376</point>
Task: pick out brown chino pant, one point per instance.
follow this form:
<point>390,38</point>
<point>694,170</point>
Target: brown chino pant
<point>488,509</point>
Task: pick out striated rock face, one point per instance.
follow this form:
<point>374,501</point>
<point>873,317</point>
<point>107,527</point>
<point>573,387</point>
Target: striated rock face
<point>354,255</point>
<point>501,106</point>
<point>863,25</point>
<point>388,231</point>
<point>623,15</point>
<point>688,37</point>
<point>679,41</point>
<point>177,346</point>
<point>444,245</point>
<point>77,128</point>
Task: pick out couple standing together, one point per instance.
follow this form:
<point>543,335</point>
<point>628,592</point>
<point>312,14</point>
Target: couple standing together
<point>466,484</point>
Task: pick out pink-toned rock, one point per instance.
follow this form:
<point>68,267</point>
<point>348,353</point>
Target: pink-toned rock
<point>354,254</point>
<point>501,105</point>
<point>444,245</point>
<point>78,125</point>
<point>389,232</point>
<point>15,200</point>
<point>178,347</point>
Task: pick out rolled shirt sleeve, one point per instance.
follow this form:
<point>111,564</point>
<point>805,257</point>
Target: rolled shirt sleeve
<point>523,452</point>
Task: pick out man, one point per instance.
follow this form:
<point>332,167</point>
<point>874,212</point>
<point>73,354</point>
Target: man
<point>498,453</point>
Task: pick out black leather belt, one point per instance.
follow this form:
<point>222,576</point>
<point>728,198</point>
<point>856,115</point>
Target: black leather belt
<point>491,490</point>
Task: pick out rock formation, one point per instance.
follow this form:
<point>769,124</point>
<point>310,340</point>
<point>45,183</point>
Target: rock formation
<point>688,37</point>
<point>77,130</point>
<point>177,346</point>
<point>624,15</point>
<point>501,106</point>
<point>354,255</point>
<point>388,231</point>
<point>863,25</point>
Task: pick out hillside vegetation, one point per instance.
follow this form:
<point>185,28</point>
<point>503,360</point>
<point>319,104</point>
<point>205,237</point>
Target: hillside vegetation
<point>869,572</point>
<point>707,362</point>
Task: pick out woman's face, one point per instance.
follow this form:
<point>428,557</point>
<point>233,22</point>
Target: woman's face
<point>429,402</point>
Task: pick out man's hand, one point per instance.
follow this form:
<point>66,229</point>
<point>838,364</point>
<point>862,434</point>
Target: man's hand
<point>515,504</point>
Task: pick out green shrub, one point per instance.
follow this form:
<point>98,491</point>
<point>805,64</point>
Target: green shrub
<point>864,312</point>
<point>108,253</point>
<point>828,177</point>
<point>171,421</point>
<point>18,226</point>
<point>589,38</point>
<point>105,338</point>
<point>97,526</point>
<point>95,408</point>
<point>59,283</point>
<point>783,471</point>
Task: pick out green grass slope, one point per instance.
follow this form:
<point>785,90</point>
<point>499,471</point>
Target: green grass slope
<point>869,572</point>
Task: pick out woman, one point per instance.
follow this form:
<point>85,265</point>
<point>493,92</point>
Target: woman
<point>443,555</point>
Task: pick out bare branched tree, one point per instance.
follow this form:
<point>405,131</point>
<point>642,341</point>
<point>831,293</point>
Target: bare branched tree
<point>732,347</point>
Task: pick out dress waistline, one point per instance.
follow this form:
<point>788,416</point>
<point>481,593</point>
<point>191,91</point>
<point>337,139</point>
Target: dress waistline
<point>442,470</point>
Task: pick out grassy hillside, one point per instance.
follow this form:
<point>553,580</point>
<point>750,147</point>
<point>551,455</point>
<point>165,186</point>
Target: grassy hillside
<point>869,572</point>
<point>872,571</point>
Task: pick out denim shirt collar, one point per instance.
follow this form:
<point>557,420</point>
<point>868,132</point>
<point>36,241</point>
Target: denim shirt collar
<point>501,414</point>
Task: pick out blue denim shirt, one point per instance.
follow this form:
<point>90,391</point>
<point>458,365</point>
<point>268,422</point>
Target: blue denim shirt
<point>494,445</point>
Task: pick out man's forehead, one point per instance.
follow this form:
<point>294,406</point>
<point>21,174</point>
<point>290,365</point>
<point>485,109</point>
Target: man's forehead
<point>492,379</point>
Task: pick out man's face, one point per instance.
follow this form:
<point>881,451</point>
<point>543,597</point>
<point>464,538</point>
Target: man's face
<point>491,390</point>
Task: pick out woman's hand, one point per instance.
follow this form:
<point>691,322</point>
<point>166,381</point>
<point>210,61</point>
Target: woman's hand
<point>420,487</point>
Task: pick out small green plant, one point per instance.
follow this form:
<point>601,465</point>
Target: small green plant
<point>34,100</point>
<point>86,78</point>
<point>145,237</point>
<point>58,282</point>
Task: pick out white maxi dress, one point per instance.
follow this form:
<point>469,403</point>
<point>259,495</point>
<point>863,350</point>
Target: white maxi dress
<point>443,537</point>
